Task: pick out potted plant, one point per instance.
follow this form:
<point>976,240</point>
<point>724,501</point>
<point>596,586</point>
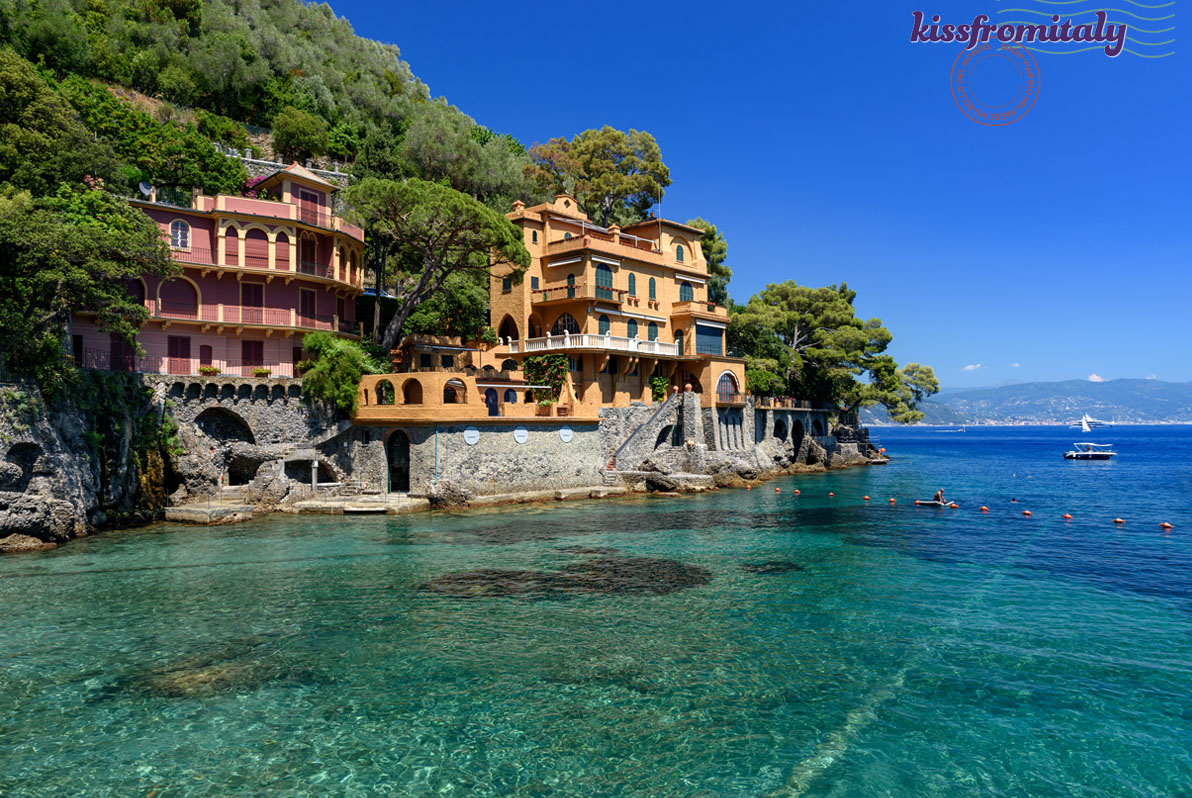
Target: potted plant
<point>261,371</point>
<point>209,371</point>
<point>543,408</point>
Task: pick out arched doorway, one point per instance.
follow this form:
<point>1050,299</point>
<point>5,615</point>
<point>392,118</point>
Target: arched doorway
<point>817,428</point>
<point>780,429</point>
<point>508,331</point>
<point>397,450</point>
<point>566,323</point>
<point>491,402</point>
<point>726,388</point>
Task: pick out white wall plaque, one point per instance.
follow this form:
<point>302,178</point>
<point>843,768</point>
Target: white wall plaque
<point>565,434</point>
<point>521,435</point>
<point>471,436</point>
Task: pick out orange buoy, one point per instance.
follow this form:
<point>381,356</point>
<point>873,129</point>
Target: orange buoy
<point>881,451</point>
<point>797,491</point>
<point>1119,520</point>
<point>1165,525</point>
<point>984,509</point>
<point>953,505</point>
<point>1067,516</point>
<point>748,487</point>
<point>892,501</point>
<point>916,502</point>
<point>779,490</point>
<point>1026,512</point>
<point>830,493</point>
<point>866,498</point>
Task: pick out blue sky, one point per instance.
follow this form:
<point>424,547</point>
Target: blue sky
<point>828,148</point>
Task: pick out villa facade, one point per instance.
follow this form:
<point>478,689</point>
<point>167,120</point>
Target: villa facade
<point>257,274</point>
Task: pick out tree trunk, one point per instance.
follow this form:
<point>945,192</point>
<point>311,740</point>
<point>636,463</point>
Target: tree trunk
<point>376,330</point>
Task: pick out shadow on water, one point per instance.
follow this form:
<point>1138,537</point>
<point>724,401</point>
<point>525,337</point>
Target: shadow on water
<point>623,576</point>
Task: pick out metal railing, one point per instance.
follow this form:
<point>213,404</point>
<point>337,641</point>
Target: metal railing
<point>613,343</point>
<point>103,360</point>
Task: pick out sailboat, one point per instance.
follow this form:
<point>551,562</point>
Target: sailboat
<point>1087,422</point>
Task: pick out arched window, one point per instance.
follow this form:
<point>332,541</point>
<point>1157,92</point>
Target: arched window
<point>571,286</point>
<point>679,339</point>
<point>281,252</point>
<point>603,325</point>
<point>653,289</point>
<point>604,282</point>
<point>632,284</point>
<point>652,332</point>
<point>509,365</point>
<point>179,235</point>
<point>679,253</point>
<point>384,392</point>
<point>491,402</point>
<point>631,328</point>
<point>726,387</point>
<point>566,236</point>
<point>453,393</point>
<point>510,396</point>
<point>565,324</point>
<point>508,329</point>
<point>411,392</point>
<point>686,292</point>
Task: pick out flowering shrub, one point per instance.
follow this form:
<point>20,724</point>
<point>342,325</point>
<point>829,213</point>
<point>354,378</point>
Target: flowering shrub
<point>548,370</point>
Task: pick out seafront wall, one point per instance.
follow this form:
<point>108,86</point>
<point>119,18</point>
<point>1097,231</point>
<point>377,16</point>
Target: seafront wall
<point>132,445</point>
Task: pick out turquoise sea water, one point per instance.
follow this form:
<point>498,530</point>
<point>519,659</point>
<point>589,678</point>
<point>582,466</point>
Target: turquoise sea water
<point>786,645</point>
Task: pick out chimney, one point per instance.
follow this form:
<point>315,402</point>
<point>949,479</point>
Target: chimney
<point>518,206</point>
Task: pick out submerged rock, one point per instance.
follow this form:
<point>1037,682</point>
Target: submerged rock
<point>586,549</point>
<point>771,567</point>
<point>604,575</point>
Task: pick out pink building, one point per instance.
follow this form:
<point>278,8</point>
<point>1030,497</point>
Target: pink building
<point>258,274</point>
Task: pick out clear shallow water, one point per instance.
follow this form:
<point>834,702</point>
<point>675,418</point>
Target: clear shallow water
<point>912,652</point>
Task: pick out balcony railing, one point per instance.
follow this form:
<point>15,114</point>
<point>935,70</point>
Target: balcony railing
<point>556,292</point>
<point>103,360</point>
<point>315,217</point>
<point>730,397</point>
<point>204,256</point>
<point>315,321</point>
<point>315,269</point>
<point>611,343</point>
<point>247,314</point>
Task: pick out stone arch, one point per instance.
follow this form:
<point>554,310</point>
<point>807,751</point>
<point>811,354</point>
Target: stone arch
<point>295,390</point>
<point>454,392</point>
<point>508,329</point>
<point>397,454</point>
<point>177,390</point>
<point>780,430</point>
<point>193,391</point>
<point>817,428</point>
<point>384,392</point>
<point>411,392</point>
<point>244,392</point>
<point>227,392</point>
<point>278,394</point>
<point>492,401</point>
<point>664,435</point>
<point>210,390</point>
<point>261,393</point>
<point>509,364</point>
<point>224,425</point>
<point>797,433</point>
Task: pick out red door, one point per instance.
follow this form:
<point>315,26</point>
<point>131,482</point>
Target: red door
<point>308,207</point>
<point>252,300</point>
<point>178,354</point>
<point>252,355</point>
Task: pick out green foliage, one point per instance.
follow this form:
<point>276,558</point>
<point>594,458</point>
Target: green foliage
<point>550,370</point>
<point>43,142</point>
<point>459,308</point>
<point>333,373</point>
<point>808,342</point>
<point>715,250</point>
<point>420,233</point>
<point>489,336</point>
<point>299,135</point>
<point>169,154</point>
<point>614,176</point>
<point>70,251</point>
<point>658,387</point>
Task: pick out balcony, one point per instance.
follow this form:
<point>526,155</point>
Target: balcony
<point>598,343</point>
<point>555,293</point>
<point>251,263</point>
<point>242,315</point>
<point>703,310</point>
<point>103,360</point>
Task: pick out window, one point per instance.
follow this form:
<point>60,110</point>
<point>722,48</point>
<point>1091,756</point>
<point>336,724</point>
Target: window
<point>726,387</point>
<point>506,285</point>
<point>653,289</point>
<point>686,292</point>
<point>565,324</point>
<point>631,328</point>
<point>575,364</point>
<point>604,282</point>
<point>533,236</point>
<point>232,247</point>
<point>679,339</point>
<point>533,283</point>
<point>652,331</point>
<point>425,361</point>
<point>510,396</point>
<point>632,284</point>
<point>679,253</point>
<point>307,300</point>
<point>340,308</point>
<point>566,236</point>
<point>447,361</point>
<point>179,235</point>
<point>610,366</point>
<point>603,325</point>
<point>571,286</point>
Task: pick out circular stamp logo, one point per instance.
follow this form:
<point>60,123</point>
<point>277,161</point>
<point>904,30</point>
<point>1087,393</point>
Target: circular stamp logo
<point>995,84</point>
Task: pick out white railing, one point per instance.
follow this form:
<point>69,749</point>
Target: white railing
<point>614,343</point>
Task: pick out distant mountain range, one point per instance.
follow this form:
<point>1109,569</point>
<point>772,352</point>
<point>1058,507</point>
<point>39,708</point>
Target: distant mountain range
<point>1121,401</point>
